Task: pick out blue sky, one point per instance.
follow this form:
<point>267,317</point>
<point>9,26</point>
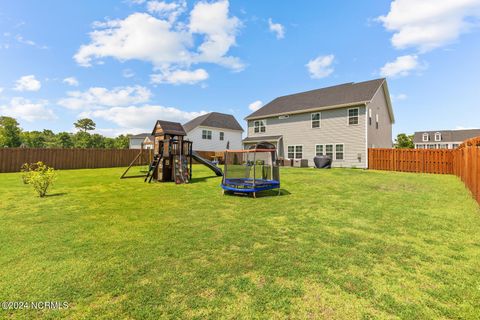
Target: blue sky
<point>127,63</point>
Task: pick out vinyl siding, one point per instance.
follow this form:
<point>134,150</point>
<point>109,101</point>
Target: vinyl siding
<point>381,137</point>
<point>136,143</point>
<point>297,130</point>
<point>235,138</point>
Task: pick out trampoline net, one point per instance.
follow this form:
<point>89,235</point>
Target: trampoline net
<point>251,165</point>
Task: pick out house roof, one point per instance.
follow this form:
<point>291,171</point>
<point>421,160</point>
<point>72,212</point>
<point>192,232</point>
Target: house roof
<point>336,96</point>
<point>447,135</point>
<point>261,138</point>
<point>214,120</point>
<point>168,127</point>
<point>140,135</point>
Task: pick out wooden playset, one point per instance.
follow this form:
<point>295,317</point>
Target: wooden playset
<point>173,155</point>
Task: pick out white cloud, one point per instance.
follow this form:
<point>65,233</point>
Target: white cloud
<point>142,116</point>
<point>140,36</point>
<point>168,44</point>
<point>27,110</point>
<point>1,89</point>
<point>429,24</point>
<point>180,76</point>
<point>27,83</point>
<point>254,106</point>
<point>168,10</point>
<point>321,66</point>
<point>98,97</point>
<point>71,81</point>
<point>220,30</point>
<point>277,28</point>
<point>402,66</point>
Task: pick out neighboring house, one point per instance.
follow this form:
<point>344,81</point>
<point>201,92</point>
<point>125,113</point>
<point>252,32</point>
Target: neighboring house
<point>342,121</point>
<point>443,139</point>
<point>213,131</point>
<point>137,140</point>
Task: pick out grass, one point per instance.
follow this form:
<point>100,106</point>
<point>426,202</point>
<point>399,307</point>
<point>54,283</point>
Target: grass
<point>337,244</point>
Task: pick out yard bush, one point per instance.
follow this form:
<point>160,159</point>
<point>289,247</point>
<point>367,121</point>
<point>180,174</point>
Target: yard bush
<point>39,175</point>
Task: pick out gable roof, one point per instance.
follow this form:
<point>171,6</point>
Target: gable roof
<point>214,120</point>
<point>140,135</point>
<point>341,95</point>
<point>447,135</point>
<point>168,127</point>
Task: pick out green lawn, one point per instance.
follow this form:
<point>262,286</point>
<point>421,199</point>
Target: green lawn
<point>337,244</point>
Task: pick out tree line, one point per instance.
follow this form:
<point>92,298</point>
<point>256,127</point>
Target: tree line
<point>12,136</point>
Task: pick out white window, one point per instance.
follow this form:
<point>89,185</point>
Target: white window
<point>369,117</point>
<point>206,134</point>
<point>339,151</point>
<point>425,137</point>
<point>431,146</point>
<point>438,136</point>
<point>353,116</point>
<point>319,148</point>
<point>329,150</point>
<point>376,121</point>
<point>420,146</point>
<point>259,126</point>
<point>222,136</point>
<point>316,119</point>
<point>295,152</point>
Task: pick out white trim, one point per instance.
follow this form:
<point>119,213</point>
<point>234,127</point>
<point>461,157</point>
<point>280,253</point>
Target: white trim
<point>337,106</point>
<point>358,116</point>
<point>333,149</point>
<point>438,134</point>
<point>323,148</point>
<point>319,120</point>
<point>264,121</point>
<point>425,135</point>
<point>343,151</point>
<point>366,140</point>
<point>206,135</point>
<point>295,151</point>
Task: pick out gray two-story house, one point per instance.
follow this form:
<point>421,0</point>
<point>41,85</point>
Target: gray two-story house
<point>443,139</point>
<point>342,122</point>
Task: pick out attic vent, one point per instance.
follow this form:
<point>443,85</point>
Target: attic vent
<point>283,117</point>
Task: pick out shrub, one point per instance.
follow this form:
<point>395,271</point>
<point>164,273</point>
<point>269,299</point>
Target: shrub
<point>39,175</point>
<point>25,170</point>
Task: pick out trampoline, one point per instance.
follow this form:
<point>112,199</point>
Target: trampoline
<point>251,171</point>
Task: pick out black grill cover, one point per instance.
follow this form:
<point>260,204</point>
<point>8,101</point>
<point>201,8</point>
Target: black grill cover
<point>322,162</point>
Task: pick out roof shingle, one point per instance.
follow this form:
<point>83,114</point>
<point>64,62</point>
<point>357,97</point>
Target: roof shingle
<point>343,94</point>
<point>214,120</point>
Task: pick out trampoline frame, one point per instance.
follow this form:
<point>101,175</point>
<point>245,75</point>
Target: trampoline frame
<point>250,185</point>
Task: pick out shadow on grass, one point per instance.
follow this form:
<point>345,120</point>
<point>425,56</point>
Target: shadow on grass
<point>261,194</point>
<point>202,179</point>
<point>58,194</point>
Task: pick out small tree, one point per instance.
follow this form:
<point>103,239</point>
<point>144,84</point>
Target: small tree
<point>9,132</point>
<point>64,140</point>
<point>39,176</point>
<point>85,124</point>
<point>122,142</point>
<point>404,141</point>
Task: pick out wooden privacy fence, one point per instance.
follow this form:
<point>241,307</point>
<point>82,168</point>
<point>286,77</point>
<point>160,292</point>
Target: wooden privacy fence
<point>411,160</point>
<point>11,159</point>
<point>466,165</point>
<point>464,162</point>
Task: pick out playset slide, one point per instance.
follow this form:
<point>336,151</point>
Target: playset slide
<point>207,163</point>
